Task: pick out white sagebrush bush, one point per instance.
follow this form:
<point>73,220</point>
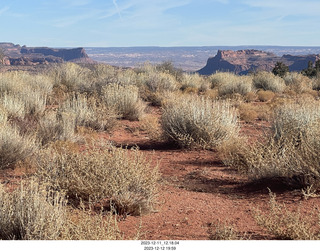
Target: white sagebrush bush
<point>192,120</point>
<point>125,100</point>
<point>158,81</point>
<point>237,84</point>
<point>89,112</point>
<point>297,82</point>
<point>101,171</point>
<point>14,105</point>
<point>289,152</point>
<point>295,120</point>
<point>221,79</point>
<point>73,76</point>
<point>268,81</point>
<point>194,81</point>
<point>14,147</point>
<point>32,212</point>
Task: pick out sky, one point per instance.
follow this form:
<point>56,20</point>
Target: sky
<point>118,23</point>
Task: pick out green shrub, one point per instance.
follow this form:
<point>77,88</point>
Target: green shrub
<point>191,120</point>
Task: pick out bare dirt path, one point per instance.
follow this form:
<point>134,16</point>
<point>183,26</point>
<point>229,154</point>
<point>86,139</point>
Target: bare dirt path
<point>197,192</point>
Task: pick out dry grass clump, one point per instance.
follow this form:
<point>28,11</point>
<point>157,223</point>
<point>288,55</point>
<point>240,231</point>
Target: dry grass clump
<point>72,76</point>
<point>222,231</point>
<point>122,177</point>
<point>24,94</point>
<point>221,78</point>
<point>89,112</point>
<point>289,152</point>
<point>288,225</point>
<point>34,211</point>
<point>55,126</point>
<point>124,100</point>
<point>297,82</point>
<point>31,212</point>
<point>151,125</point>
<point>194,81</point>
<point>196,121</point>
<point>235,85</point>
<point>248,112</point>
<point>265,96</point>
<point>14,146</point>
<point>84,224</point>
<point>269,82</point>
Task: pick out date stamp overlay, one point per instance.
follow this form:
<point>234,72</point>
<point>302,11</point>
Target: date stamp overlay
<point>160,245</point>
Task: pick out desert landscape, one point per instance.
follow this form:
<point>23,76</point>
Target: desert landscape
<point>91,151</point>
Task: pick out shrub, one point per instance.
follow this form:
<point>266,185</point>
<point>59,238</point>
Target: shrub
<point>236,85</point>
<point>191,120</point>
<point>268,82</point>
<point>287,225</point>
<point>222,231</point>
<point>158,81</point>
<point>122,177</point>
<point>56,126</point>
<point>194,81</point>
<point>221,78</point>
<point>289,153</point>
<point>31,212</point>
<point>280,69</point>
<point>265,96</point>
<point>248,112</point>
<point>89,112</point>
<point>297,82</point>
<point>72,76</point>
<point>124,100</point>
<point>14,147</point>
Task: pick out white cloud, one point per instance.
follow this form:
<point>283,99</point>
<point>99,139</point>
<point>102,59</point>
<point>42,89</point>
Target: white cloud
<point>3,10</point>
<point>287,7</point>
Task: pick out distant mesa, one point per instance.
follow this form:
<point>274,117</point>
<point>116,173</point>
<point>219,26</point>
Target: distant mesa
<point>245,61</point>
<point>16,55</point>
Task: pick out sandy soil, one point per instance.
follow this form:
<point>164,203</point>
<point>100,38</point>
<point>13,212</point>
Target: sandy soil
<point>196,191</point>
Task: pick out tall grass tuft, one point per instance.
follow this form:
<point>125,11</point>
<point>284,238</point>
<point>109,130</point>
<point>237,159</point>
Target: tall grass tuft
<point>14,146</point>
<point>289,152</point>
<point>124,100</point>
<point>31,212</point>
<point>268,82</point>
<point>195,121</point>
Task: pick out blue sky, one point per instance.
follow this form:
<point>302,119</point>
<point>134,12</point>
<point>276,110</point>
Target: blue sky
<point>70,23</point>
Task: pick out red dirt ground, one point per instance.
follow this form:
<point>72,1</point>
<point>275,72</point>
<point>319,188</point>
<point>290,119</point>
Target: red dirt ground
<point>196,191</point>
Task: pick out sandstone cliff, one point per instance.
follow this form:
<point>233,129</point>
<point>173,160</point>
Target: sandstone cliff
<point>17,55</point>
<point>245,61</point>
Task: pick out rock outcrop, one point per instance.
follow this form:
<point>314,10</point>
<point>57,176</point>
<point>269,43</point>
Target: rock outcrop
<point>245,61</point>
<point>17,55</point>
